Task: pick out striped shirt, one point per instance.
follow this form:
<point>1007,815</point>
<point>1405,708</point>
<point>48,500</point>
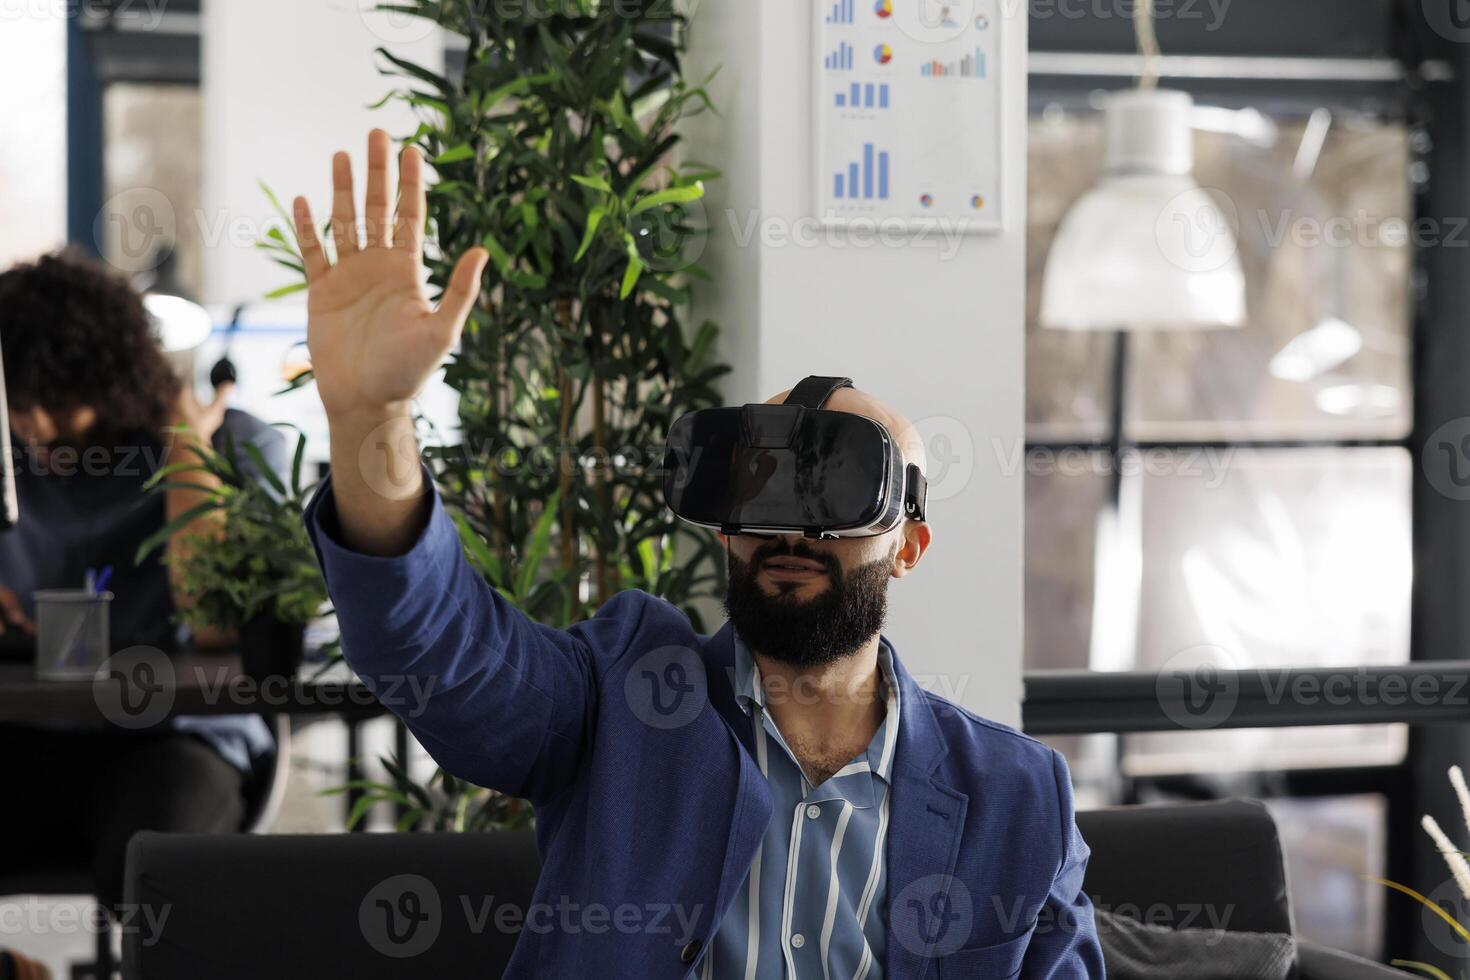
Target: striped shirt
<point>814,903</point>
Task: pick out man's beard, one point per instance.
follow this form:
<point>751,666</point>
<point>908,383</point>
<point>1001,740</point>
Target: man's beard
<point>808,632</point>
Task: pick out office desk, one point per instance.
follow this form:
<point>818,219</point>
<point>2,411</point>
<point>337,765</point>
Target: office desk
<point>201,684</point>
<point>146,693</point>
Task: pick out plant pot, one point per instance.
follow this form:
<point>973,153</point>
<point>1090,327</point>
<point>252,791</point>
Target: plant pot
<point>270,648</point>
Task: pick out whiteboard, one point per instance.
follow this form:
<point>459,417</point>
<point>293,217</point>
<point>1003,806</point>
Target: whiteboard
<point>907,113</point>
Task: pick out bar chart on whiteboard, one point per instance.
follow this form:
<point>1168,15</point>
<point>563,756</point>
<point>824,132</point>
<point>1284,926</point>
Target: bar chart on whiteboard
<point>907,111</point>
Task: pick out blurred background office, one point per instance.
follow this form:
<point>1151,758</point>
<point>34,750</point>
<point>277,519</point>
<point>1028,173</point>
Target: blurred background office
<point>1249,495</point>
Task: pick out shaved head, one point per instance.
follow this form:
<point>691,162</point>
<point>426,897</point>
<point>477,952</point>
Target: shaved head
<point>860,402</point>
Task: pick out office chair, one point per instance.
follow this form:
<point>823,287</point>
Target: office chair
<point>263,796</point>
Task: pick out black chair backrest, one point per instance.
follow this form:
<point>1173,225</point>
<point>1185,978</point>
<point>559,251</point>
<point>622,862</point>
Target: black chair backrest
<point>347,905</point>
<point>1194,865</point>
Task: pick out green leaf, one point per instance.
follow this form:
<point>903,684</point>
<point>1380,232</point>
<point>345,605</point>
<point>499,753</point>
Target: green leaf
<point>163,534</point>
<point>417,71</point>
<point>164,472</point>
<point>478,551</point>
<point>539,546</point>
<point>630,278</point>
<point>594,218</point>
<point>276,203</point>
<point>461,152</point>
<point>1426,968</point>
<point>263,469</point>
<point>296,461</point>
<point>596,183</point>
<point>498,254</point>
<point>525,280</point>
<point>286,290</point>
<point>674,195</point>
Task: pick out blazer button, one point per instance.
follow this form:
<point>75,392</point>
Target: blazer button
<point>690,950</point>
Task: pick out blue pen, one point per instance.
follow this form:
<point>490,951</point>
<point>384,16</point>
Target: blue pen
<point>95,583</point>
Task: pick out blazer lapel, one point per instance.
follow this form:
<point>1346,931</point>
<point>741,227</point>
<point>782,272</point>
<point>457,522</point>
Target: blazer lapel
<point>927,820</point>
<point>753,798</point>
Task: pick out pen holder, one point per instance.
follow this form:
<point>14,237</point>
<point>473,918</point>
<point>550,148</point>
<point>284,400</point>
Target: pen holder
<point>73,633</point>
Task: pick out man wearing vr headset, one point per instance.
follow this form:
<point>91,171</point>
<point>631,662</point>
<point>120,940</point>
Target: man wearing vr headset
<point>778,800</point>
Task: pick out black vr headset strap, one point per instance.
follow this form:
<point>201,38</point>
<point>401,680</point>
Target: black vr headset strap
<point>814,390</point>
<point>915,493</point>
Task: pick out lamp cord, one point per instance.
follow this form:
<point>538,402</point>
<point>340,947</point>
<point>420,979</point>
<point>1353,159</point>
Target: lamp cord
<point>1148,43</point>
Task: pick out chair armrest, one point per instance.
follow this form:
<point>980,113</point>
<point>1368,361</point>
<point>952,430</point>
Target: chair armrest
<point>1320,963</point>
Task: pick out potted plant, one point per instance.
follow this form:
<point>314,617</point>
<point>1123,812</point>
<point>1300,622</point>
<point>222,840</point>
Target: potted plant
<point>556,149</point>
<point>259,575</point>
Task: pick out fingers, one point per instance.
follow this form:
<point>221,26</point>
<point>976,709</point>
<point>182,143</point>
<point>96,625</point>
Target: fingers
<point>312,256</point>
<point>344,208</point>
<point>376,205</point>
<point>12,612</point>
<point>463,290</point>
<point>408,232</point>
<point>214,413</point>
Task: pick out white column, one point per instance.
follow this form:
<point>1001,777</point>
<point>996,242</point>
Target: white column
<point>936,331</point>
<point>286,83</point>
<point>33,106</point>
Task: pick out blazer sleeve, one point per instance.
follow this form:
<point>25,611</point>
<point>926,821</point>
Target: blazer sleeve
<point>495,698</point>
<point>1068,948</point>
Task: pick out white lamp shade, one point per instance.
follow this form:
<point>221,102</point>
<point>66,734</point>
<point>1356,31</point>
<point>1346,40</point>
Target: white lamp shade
<point>1147,248</point>
<point>180,324</point>
<point>1146,252</point>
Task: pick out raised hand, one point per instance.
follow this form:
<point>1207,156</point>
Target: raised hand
<point>375,339</point>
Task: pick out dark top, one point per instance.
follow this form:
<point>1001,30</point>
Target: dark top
<point>88,510</point>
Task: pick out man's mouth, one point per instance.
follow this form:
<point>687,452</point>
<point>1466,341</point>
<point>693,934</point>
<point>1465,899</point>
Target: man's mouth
<point>791,567</point>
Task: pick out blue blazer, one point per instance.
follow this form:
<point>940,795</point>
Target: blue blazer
<point>624,733</point>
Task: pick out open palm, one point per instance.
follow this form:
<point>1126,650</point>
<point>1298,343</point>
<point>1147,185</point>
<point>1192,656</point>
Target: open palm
<point>375,338</point>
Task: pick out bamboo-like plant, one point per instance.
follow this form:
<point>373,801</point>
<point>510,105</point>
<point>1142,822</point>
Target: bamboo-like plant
<point>555,149</point>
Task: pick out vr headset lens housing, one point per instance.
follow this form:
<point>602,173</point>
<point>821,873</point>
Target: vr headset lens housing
<point>784,468</point>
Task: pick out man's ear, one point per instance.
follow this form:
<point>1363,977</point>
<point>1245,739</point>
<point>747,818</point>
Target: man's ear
<point>913,542</point>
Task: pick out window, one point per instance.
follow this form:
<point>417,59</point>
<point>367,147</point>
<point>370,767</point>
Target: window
<point>1254,494</point>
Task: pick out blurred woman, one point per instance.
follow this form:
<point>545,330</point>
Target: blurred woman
<point>92,403</point>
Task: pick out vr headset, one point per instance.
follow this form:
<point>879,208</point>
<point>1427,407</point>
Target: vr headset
<point>790,468</point>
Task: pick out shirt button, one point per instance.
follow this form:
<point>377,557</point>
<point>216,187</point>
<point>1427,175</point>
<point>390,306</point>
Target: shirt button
<point>798,941</point>
<point>814,811</point>
<point>690,950</point>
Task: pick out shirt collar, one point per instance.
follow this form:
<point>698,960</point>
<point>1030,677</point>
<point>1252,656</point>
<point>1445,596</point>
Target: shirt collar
<point>749,692</point>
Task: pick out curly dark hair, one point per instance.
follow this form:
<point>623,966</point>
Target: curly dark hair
<point>75,334</point>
